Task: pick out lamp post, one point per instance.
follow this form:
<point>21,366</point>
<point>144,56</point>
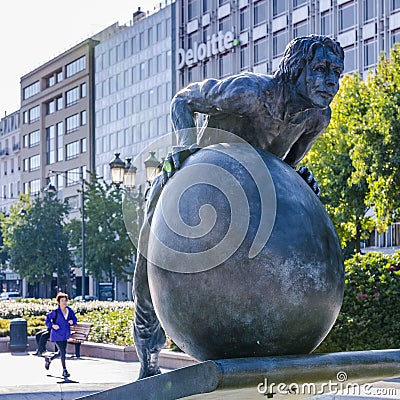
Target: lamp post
<point>125,173</point>
<point>51,189</point>
<point>82,182</point>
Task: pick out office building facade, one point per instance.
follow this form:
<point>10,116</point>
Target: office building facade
<point>217,38</point>
<point>10,177</point>
<point>134,84</point>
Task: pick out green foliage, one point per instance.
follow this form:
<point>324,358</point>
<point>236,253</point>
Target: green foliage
<point>330,159</point>
<point>112,321</point>
<point>107,244</point>
<point>369,318</point>
<point>356,160</point>
<point>111,326</point>
<point>35,239</point>
<point>377,151</point>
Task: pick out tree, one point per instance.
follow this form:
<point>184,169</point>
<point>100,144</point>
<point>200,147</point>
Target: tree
<point>376,154</point>
<point>344,189</point>
<point>357,160</point>
<point>34,235</point>
<point>108,248</point>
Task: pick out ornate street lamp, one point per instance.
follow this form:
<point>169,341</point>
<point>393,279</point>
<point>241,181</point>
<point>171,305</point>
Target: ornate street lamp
<point>151,164</point>
<point>117,167</point>
<point>129,174</point>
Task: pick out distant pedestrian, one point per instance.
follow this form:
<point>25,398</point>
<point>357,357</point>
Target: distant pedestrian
<point>59,321</point>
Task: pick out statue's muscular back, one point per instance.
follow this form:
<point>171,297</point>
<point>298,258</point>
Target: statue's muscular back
<point>252,106</point>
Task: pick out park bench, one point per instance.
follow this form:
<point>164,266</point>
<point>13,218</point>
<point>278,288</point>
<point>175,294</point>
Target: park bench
<point>80,332</point>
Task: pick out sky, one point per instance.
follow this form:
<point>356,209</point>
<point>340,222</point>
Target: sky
<point>33,32</point>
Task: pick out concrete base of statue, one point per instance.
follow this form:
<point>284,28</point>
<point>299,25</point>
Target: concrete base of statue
<point>256,378</point>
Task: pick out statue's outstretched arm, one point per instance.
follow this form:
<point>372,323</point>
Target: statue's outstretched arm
<point>234,95</point>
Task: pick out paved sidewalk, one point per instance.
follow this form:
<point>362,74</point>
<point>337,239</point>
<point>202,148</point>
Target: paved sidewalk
<point>23,376</point>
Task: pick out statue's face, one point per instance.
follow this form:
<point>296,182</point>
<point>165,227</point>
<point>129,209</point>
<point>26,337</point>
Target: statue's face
<point>319,80</point>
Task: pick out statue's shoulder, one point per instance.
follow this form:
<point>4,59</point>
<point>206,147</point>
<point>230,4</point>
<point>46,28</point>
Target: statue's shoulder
<point>247,83</point>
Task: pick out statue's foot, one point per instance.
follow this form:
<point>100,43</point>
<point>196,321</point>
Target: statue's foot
<point>150,368</point>
<point>147,372</point>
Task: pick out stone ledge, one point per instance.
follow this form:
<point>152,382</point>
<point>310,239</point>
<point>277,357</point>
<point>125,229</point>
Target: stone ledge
<point>167,359</point>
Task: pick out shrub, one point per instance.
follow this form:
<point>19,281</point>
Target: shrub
<point>112,321</point>
<point>369,318</point>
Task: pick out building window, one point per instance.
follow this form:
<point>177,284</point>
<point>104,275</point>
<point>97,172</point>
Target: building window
<point>73,202</point>
<point>297,3</point>
<point>51,81</point>
<point>60,131</point>
<point>35,186</point>
<point>83,118</point>
<point>50,145</point>
<point>34,138</point>
<point>260,12</point>
<point>279,7</point>
<point>206,5</point>
<point>244,57</point>
<point>59,76</point>
<point>224,25</point>
<point>260,51</point>
<point>394,5</point>
<point>349,59</point>
<point>34,114</point>
<point>34,163</point>
<point>31,90</point>
<point>244,19</point>
<point>59,104</point>
<point>25,140</point>
<point>369,9</point>
<point>72,123</point>
<point>142,44</point>
<point>143,70</point>
<point>25,117</point>
<point>50,107</point>
<point>369,54</point>
<point>72,150</point>
<point>73,177</point>
<point>192,9</point>
<point>159,32</point>
<point>346,17</point>
<point>76,66</point>
<point>279,43</point>
<point>326,23</point>
<point>395,37</point>
<point>83,145</point>
<point>300,29</point>
<point>26,164</point>
<point>72,97</point>
<point>225,65</point>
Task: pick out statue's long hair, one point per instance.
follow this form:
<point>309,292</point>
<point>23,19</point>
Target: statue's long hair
<point>300,51</point>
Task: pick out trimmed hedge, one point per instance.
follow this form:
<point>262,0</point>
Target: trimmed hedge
<point>112,321</point>
<point>369,318</point>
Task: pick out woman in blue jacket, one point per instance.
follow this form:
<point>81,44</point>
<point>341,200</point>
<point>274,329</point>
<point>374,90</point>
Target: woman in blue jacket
<point>59,321</point>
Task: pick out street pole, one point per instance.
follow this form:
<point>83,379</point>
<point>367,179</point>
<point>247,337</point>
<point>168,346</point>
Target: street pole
<point>83,232</point>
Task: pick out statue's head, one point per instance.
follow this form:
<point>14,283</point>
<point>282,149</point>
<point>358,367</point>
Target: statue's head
<point>301,51</point>
<point>313,64</point>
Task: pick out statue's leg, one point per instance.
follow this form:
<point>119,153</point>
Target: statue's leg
<point>148,334</point>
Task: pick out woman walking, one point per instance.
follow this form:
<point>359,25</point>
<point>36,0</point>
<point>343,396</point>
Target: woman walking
<point>59,321</point>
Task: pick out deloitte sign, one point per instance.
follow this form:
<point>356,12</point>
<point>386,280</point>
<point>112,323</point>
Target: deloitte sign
<point>214,45</point>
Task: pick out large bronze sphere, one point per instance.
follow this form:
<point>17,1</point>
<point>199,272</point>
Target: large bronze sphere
<point>274,288</point>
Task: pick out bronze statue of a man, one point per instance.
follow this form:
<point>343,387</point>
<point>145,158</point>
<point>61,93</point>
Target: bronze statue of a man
<point>283,114</point>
